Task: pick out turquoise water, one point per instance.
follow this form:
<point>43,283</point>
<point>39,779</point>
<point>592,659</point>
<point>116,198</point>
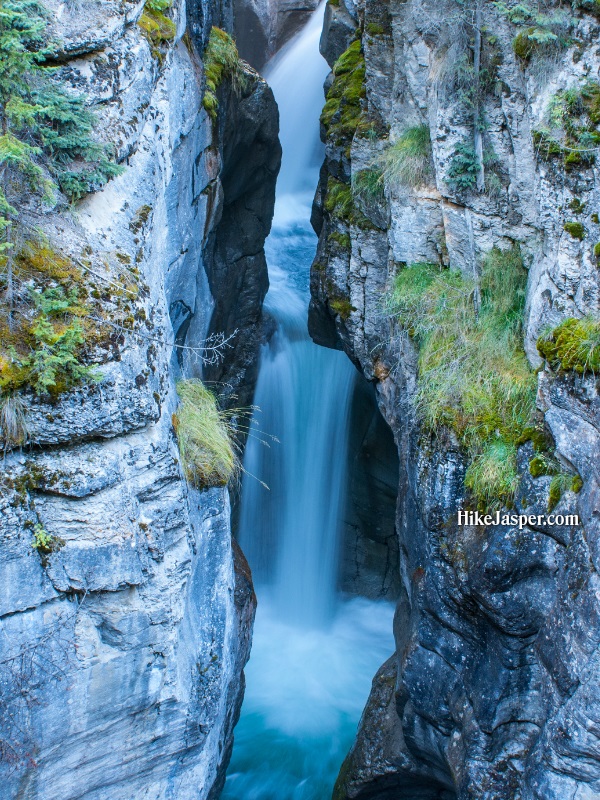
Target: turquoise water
<point>314,653</point>
<point>305,693</point>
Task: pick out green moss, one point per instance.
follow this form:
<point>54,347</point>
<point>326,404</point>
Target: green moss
<point>342,307</point>
<point>524,45</point>
<point>543,464</point>
<point>576,206</point>
<point>573,345</point>
<point>575,229</point>
<point>158,29</point>
<point>597,250</point>
<point>338,200</point>
<point>221,62</point>
<point>576,484</point>
<point>374,29</point>
<point>341,239</point>
<point>595,218</point>
<point>342,114</point>
<point>339,203</point>
<point>408,161</point>
<point>473,373</point>
<point>204,436</point>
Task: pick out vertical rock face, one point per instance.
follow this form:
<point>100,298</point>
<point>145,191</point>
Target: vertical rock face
<point>123,647</point>
<point>493,691</point>
<point>262,27</point>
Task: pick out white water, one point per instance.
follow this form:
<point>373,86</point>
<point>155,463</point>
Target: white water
<point>313,653</point>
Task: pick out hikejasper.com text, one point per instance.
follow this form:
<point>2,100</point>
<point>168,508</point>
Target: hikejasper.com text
<point>516,520</point>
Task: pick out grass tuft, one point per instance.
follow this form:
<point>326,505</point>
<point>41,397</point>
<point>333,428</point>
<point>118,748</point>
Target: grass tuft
<point>408,161</point>
<point>205,437</point>
<point>474,376</point>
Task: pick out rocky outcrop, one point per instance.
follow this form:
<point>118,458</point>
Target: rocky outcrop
<point>126,627</point>
<point>492,693</point>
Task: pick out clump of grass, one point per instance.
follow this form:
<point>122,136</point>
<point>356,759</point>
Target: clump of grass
<point>492,474</point>
<point>573,345</point>
<point>221,62</point>
<point>342,114</point>
<point>205,437</point>
<point>561,483</point>
<point>473,373</point>
<point>157,28</point>
<point>13,425</point>
<point>408,161</point>
<point>367,184</point>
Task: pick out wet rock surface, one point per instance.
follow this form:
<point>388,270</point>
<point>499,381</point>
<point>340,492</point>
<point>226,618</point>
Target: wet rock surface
<point>125,635</point>
<point>492,691</point>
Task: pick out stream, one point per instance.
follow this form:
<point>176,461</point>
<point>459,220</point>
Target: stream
<point>314,652</point>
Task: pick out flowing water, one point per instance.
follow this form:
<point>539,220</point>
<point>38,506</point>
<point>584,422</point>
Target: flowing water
<point>313,653</point>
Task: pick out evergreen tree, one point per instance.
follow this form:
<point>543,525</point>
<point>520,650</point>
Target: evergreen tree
<point>45,137</point>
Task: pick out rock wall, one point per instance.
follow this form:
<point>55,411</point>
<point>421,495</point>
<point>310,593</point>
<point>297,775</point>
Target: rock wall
<point>122,649</point>
<point>262,27</point>
<point>493,690</point>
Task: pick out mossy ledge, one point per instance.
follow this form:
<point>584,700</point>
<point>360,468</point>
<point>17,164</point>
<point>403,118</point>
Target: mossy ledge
<point>221,62</point>
<point>474,377</point>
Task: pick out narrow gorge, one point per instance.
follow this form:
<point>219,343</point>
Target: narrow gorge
<point>292,297</point>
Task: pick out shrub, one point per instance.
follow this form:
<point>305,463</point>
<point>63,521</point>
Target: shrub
<point>575,229</point>
<point>573,116</point>
<point>408,161</point>
<point>205,437</point>
<point>463,168</point>
<point>539,31</point>
<point>342,114</point>
<point>573,345</point>
<point>221,62</point>
<point>46,137</point>
<point>473,373</point>
<point>156,26</point>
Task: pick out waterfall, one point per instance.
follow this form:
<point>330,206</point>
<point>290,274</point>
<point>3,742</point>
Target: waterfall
<point>313,655</point>
<point>290,533</point>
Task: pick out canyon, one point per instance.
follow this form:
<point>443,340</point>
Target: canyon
<point>124,642</point>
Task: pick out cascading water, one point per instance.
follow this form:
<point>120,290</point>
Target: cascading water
<point>313,655</point>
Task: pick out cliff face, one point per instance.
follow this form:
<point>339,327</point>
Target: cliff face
<point>493,690</point>
<point>124,640</point>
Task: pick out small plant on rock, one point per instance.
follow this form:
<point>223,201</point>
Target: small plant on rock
<point>408,161</point>
<point>205,436</point>
<point>221,62</point>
